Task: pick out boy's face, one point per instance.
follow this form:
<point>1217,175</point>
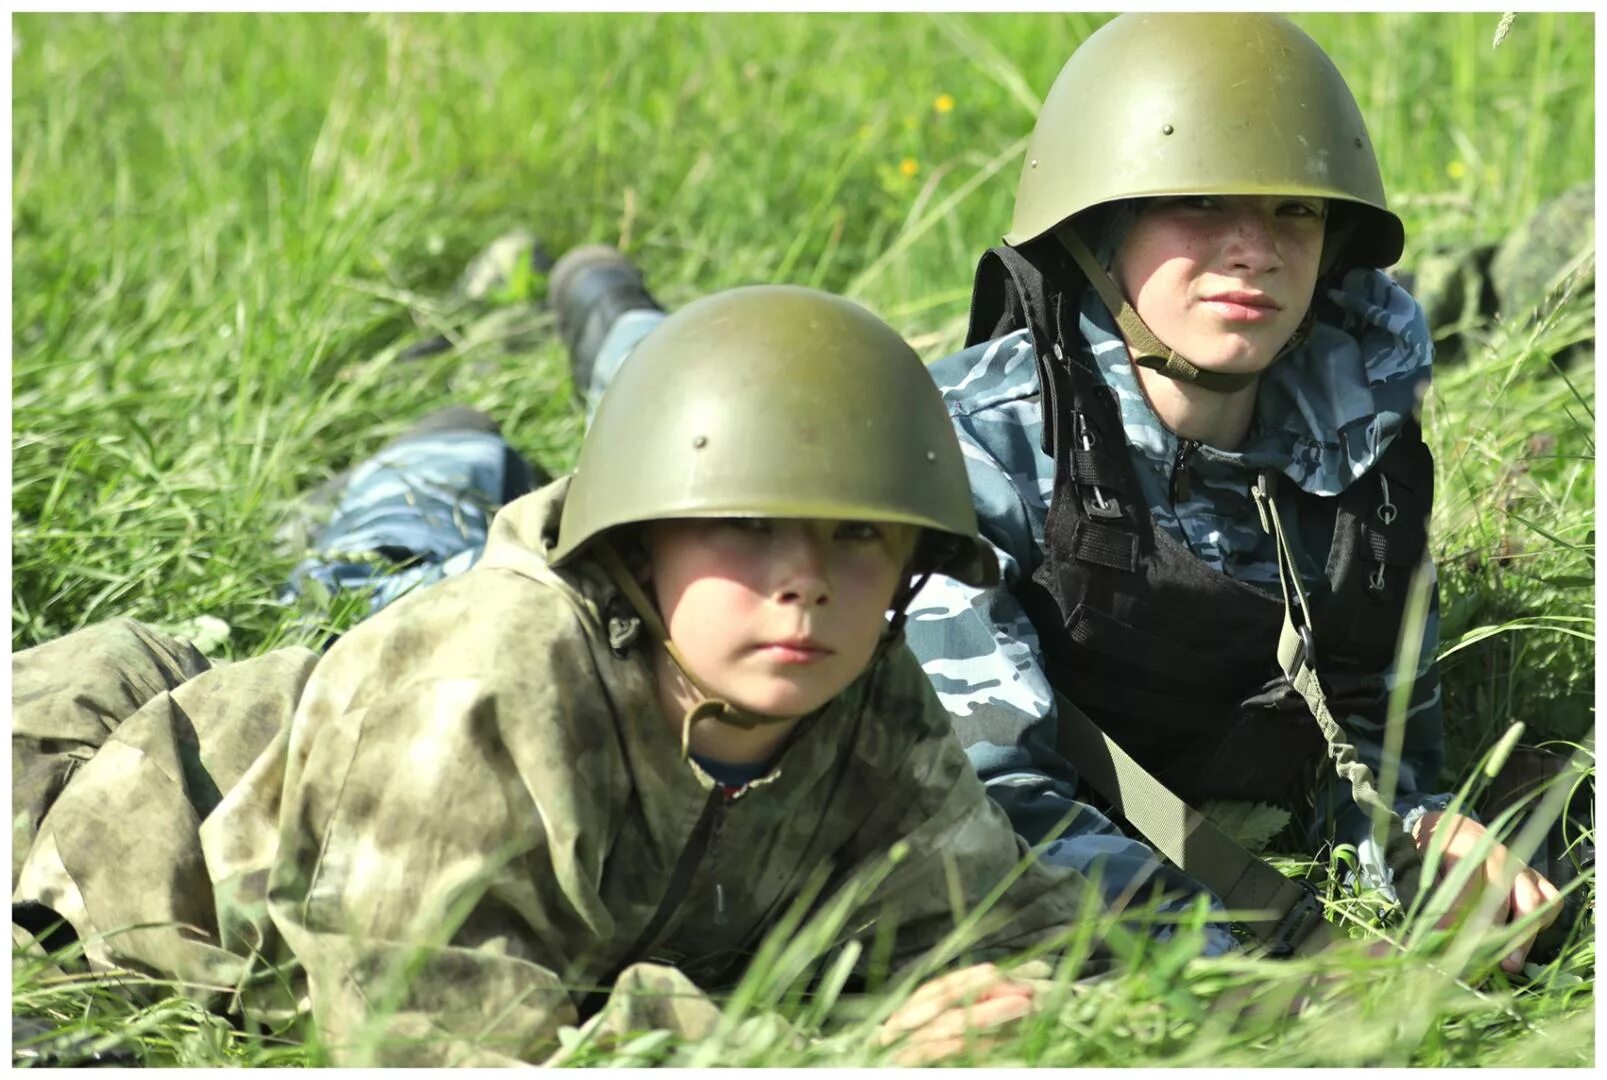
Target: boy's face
<point>776,616</point>
<point>1223,279</point>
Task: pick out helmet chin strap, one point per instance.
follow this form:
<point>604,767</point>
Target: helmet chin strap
<point>713,706</point>
<point>1152,352</point>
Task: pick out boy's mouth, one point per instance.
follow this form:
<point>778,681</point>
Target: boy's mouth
<point>1243,306</point>
<point>1246,297</point>
<point>795,650</point>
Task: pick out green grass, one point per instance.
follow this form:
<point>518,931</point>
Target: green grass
<point>225,228</point>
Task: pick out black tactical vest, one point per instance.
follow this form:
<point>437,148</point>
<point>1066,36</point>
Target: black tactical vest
<point>1175,661</point>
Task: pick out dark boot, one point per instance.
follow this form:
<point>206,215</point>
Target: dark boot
<point>591,287</point>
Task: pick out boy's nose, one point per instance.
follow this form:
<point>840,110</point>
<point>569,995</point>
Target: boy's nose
<point>802,575</point>
<point>1253,241</point>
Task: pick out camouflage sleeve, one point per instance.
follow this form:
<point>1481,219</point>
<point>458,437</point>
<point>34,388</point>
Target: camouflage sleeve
<point>981,653</point>
<point>954,845</point>
<point>69,695</point>
<point>418,883</point>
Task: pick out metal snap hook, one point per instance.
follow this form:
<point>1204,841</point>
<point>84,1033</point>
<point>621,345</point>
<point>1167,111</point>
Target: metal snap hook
<point>1085,440</point>
<point>1386,510</point>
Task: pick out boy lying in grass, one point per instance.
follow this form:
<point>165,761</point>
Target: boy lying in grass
<point>666,699</point>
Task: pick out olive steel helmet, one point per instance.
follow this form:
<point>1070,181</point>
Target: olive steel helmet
<point>1184,103</point>
<point>776,401</point>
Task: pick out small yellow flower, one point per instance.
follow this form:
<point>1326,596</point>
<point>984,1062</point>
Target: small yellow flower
<point>1456,170</point>
<point>943,103</point>
<point>908,167</point>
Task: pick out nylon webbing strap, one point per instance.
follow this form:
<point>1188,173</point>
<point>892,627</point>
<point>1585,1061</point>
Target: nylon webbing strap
<point>1295,656</point>
<point>1106,546</point>
<point>1153,352</point>
<point>1090,468</point>
<point>1290,920</point>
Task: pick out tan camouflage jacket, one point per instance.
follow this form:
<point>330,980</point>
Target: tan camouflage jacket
<point>444,836</point>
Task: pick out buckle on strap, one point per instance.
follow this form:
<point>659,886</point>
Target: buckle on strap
<point>1296,923</point>
<point>1306,651</point>
<point>1262,492</point>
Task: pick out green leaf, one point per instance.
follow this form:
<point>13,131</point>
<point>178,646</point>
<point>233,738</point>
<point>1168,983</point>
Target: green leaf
<point>1251,824</point>
<point>205,632</point>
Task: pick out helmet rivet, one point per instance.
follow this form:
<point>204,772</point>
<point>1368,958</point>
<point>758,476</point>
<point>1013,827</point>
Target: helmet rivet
<point>699,441</point>
<point>1166,129</point>
<point>1034,163</point>
<point>1358,142</point>
<point>931,455</point>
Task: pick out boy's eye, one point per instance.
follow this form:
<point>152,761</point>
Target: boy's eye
<point>858,530</point>
<point>1196,202</point>
<point>1300,209</point>
<point>757,526</point>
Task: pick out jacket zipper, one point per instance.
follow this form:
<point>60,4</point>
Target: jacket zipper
<point>1181,488</point>
<point>721,915</point>
<point>697,848</point>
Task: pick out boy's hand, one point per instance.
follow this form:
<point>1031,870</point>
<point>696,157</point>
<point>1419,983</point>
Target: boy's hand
<point>1459,837</point>
<point>955,1012</point>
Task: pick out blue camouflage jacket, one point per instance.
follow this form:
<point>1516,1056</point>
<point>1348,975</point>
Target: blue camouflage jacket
<point>1325,414</point>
